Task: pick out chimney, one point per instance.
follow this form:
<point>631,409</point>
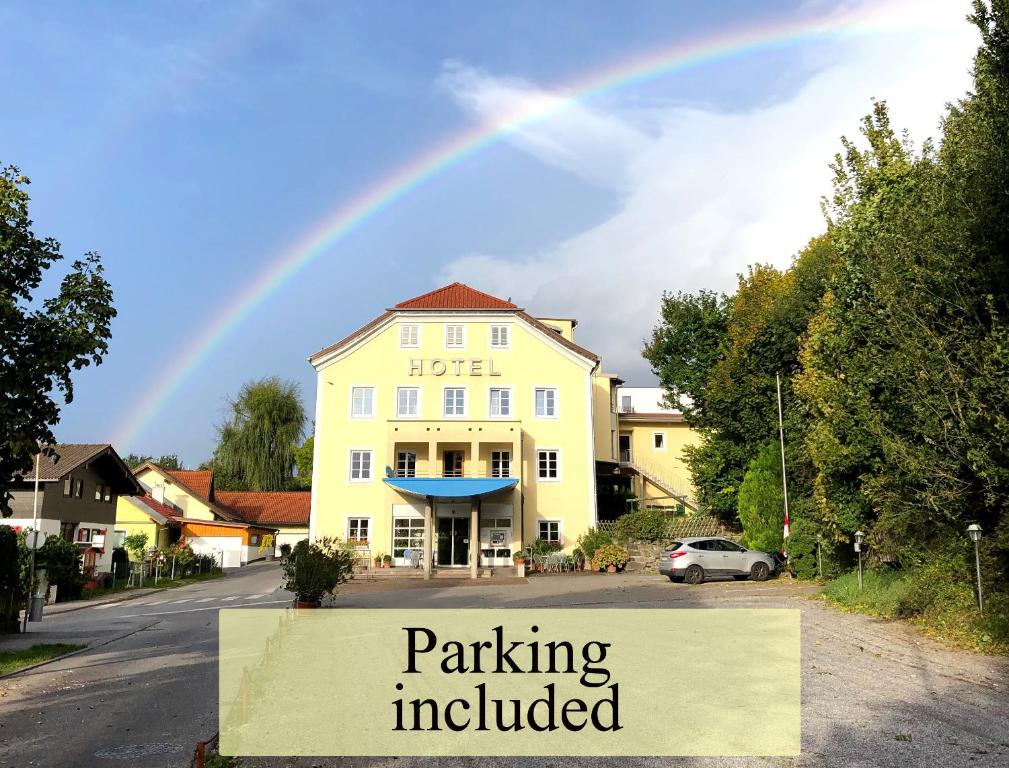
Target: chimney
<point>158,493</point>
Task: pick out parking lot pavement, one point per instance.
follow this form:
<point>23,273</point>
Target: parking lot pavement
<point>874,693</point>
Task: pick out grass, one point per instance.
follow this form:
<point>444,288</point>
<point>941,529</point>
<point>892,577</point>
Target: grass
<point>163,583</point>
<point>929,598</point>
<point>12,661</point>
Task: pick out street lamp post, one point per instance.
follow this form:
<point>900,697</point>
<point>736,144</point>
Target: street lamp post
<point>974,531</point>
<point>859,536</point>
<point>35,542</point>
<point>819,556</point>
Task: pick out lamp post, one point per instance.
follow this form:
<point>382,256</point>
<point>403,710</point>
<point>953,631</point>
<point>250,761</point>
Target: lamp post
<point>35,543</point>
<point>859,536</point>
<point>974,531</point>
<point>819,557</point>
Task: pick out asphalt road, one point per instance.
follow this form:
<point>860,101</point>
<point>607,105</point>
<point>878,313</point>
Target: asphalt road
<point>874,693</point>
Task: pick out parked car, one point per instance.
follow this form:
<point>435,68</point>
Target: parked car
<point>693,560</point>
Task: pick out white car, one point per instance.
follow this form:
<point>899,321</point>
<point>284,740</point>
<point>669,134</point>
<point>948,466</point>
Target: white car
<point>693,560</point>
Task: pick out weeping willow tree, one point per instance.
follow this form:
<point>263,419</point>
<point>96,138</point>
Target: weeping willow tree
<point>257,444</point>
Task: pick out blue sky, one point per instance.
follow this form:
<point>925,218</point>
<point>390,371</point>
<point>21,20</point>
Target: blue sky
<point>191,142</point>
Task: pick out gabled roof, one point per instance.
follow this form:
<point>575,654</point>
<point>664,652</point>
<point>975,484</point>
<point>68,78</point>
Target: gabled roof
<point>270,507</point>
<point>201,481</point>
<point>180,481</point>
<point>70,456</point>
<point>160,513</point>
<point>455,296</point>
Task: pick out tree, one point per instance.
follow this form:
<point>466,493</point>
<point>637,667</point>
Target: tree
<point>304,458</point>
<point>256,447</point>
<point>761,501</point>
<point>167,461</point>
<point>40,346</point>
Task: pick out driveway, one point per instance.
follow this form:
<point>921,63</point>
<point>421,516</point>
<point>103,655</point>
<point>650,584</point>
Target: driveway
<point>874,693</point>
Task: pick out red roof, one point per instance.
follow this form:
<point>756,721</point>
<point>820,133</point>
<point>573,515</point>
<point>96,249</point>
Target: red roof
<point>283,507</point>
<point>196,480</point>
<point>455,296</point>
<point>164,510</point>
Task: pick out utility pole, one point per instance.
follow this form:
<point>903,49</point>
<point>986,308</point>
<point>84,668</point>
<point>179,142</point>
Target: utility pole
<point>35,543</point>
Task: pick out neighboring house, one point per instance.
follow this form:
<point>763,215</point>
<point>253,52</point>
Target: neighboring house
<point>236,527</point>
<point>79,491</point>
<point>652,439</point>
<point>458,425</point>
<point>145,514</point>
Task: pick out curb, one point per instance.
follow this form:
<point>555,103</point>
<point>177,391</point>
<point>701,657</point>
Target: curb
<point>133,631</point>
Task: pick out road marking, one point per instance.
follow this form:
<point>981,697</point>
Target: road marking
<point>203,600</point>
<point>107,605</point>
<point>205,608</point>
<point>183,600</point>
<point>253,597</point>
<point>155,602</point>
<point>226,599</point>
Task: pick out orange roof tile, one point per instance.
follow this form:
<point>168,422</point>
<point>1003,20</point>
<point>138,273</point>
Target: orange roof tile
<point>273,507</point>
<point>455,296</point>
<point>195,479</point>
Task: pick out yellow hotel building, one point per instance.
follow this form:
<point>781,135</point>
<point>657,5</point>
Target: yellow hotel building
<point>455,429</point>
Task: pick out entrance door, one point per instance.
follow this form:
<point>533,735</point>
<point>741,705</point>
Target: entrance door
<point>452,464</point>
<point>625,448</point>
<point>453,541</point>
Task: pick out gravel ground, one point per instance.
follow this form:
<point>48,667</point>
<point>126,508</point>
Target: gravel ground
<point>874,693</point>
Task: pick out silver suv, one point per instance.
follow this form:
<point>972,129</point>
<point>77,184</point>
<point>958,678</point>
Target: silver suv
<point>692,560</point>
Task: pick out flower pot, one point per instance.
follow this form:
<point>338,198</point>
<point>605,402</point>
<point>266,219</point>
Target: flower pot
<point>306,603</point>
<point>611,569</point>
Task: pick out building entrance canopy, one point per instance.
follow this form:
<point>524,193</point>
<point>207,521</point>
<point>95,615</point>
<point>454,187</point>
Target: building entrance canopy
<point>452,488</point>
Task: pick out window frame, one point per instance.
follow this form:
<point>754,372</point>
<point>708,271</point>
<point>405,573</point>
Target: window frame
<point>416,328</point>
<point>556,401</point>
<point>406,468</point>
<point>371,465</point>
<point>506,328</point>
<point>444,402</point>
<point>399,413</point>
<point>490,403</point>
<point>496,457</point>
<point>362,387</point>
<point>367,525</point>
<point>548,522</point>
<point>557,469</point>
<point>665,443</point>
<point>462,336</point>
<point>68,487</point>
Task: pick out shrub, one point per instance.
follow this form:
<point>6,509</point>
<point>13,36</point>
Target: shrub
<point>610,554</point>
<point>591,540</point>
<point>120,563</point>
<point>136,545</point>
<point>544,547</point>
<point>761,505</point>
<point>11,585</point>
<point>62,561</point>
<point>642,525</point>
<point>285,550</point>
<point>315,570</point>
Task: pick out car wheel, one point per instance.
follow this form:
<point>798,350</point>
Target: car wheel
<point>759,572</point>
<point>694,575</point>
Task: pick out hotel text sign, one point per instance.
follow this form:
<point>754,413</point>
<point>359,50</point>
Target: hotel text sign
<point>458,366</point>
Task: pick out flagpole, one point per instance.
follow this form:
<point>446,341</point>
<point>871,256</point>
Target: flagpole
<point>784,475</point>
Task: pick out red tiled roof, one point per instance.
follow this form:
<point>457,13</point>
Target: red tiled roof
<point>455,296</point>
<point>274,507</point>
<point>162,509</point>
<point>195,479</point>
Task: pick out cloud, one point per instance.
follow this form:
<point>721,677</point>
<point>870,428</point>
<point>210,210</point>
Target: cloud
<point>707,192</point>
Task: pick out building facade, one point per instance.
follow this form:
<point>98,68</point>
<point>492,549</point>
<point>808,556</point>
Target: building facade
<point>455,429</point>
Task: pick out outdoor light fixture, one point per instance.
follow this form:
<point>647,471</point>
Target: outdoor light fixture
<point>858,548</point>
<point>974,531</point>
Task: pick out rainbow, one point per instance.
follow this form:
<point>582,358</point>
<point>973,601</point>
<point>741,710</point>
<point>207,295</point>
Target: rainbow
<point>355,212</point>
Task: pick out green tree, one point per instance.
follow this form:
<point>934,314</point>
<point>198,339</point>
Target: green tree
<point>761,501</point>
<point>167,461</point>
<point>304,457</point>
<point>40,344</point>
<point>257,445</point>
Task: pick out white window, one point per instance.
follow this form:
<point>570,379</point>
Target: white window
<point>455,401</point>
<point>455,336</point>
<point>358,530</point>
<point>625,404</point>
<point>407,402</point>
<point>362,402</point>
<point>409,336</point>
<point>550,530</point>
<point>500,463</point>
<point>500,337</point>
<point>548,464</point>
<point>360,466</point>
<point>659,441</point>
<point>500,403</point>
<point>406,464</point>
<point>546,402</point>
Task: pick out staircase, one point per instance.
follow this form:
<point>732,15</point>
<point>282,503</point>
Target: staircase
<point>654,476</point>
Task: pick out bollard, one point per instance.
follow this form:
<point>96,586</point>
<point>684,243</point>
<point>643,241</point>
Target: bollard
<point>201,754</point>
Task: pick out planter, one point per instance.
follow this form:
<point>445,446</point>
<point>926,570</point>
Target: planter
<point>306,603</point>
<point>611,569</point>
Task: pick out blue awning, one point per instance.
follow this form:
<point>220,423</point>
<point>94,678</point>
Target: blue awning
<point>452,487</point>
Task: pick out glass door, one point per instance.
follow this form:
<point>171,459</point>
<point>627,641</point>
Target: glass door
<point>453,541</point>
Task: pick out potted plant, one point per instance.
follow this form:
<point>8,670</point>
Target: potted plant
<point>610,558</point>
<point>314,570</point>
<point>378,559</point>
<point>387,561</point>
<point>519,558</point>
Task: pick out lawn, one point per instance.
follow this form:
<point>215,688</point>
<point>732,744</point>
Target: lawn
<point>12,661</point>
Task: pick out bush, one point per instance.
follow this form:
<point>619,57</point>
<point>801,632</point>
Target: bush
<point>120,563</point>
<point>11,585</point>
<point>591,540</point>
<point>610,554</point>
<point>761,504</point>
<point>314,570</point>
<point>544,547</point>
<point>62,561</point>
<point>642,525</point>
<point>136,545</point>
